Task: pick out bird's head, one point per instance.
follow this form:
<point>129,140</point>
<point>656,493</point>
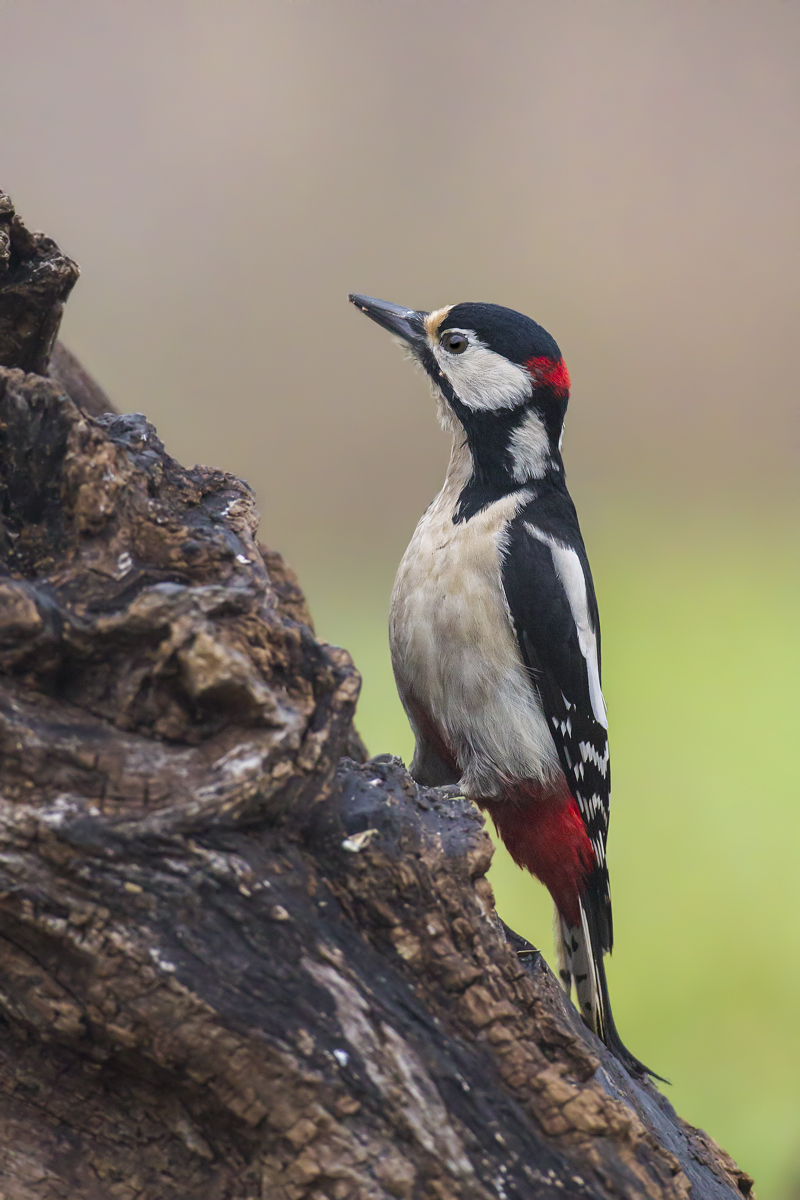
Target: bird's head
<point>499,374</point>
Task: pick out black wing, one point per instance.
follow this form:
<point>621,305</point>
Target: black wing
<point>550,594</point>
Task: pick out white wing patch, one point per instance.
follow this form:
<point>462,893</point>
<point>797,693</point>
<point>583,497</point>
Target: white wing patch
<point>569,570</point>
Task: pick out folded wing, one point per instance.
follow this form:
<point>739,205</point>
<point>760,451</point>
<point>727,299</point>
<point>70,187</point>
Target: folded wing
<point>550,594</point>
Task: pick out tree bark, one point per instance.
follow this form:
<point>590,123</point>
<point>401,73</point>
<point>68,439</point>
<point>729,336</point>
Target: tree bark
<point>236,960</point>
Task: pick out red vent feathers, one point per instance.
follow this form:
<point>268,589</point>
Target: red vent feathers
<point>543,831</point>
<point>546,373</point>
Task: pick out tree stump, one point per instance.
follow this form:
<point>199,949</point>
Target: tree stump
<point>237,960</point>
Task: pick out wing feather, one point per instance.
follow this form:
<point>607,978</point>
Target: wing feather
<point>550,595</point>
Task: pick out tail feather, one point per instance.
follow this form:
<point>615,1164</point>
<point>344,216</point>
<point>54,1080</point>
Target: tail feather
<point>564,950</point>
<point>576,967</point>
<point>580,959</point>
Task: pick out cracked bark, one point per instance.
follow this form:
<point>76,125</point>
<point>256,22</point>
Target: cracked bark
<point>235,958</point>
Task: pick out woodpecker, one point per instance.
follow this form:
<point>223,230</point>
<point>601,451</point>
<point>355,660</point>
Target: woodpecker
<point>494,629</point>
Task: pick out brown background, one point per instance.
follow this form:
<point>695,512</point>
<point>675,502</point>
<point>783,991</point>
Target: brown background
<point>225,173</point>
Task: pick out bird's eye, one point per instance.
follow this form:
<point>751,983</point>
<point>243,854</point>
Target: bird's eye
<point>456,343</point>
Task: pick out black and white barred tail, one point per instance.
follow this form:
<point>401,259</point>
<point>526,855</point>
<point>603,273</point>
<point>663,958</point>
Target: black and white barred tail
<point>580,963</point>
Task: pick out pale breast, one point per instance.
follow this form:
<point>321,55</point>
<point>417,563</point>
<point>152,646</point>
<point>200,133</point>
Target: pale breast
<point>453,647</point>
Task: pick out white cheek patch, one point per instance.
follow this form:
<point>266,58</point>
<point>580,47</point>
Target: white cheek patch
<point>482,379</point>
<point>529,448</point>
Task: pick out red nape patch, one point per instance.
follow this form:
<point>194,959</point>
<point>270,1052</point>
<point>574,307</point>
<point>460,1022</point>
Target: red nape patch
<point>543,831</point>
<point>546,373</point>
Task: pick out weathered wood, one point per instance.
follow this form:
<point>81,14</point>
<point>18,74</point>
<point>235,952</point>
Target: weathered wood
<point>35,278</point>
<point>233,961</point>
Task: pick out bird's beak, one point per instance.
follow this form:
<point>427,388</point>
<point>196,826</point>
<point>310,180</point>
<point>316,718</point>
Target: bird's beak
<point>405,323</point>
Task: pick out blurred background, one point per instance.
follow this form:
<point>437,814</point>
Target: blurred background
<point>627,173</point>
